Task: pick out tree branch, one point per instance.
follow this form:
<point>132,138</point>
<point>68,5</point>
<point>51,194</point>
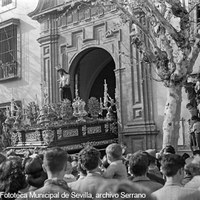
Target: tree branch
<point>135,21</point>
<point>170,29</point>
<point>179,11</point>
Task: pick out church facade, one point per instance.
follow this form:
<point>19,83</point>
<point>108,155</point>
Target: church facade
<point>94,46</point>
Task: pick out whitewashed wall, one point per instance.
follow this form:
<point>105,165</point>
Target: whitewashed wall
<point>28,87</point>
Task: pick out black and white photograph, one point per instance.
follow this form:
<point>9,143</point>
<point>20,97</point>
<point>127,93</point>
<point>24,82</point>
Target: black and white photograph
<point>100,99</point>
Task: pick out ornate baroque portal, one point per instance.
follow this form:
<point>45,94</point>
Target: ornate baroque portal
<point>91,42</point>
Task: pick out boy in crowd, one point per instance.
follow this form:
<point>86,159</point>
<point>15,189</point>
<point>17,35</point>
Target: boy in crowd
<point>116,169</point>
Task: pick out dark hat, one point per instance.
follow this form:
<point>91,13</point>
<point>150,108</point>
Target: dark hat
<point>33,165</point>
<point>168,149</point>
<point>151,152</point>
<point>34,171</point>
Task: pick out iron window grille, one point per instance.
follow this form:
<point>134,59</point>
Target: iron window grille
<point>8,52</point>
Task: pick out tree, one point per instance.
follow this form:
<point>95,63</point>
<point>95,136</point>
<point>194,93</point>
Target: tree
<point>173,51</point>
<point>172,48</point>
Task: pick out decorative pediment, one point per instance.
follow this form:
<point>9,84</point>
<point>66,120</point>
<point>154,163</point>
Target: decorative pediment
<point>83,13</point>
<point>46,6</point>
<point>70,11</point>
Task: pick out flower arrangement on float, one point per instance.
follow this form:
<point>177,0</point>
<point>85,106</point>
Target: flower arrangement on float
<point>94,107</point>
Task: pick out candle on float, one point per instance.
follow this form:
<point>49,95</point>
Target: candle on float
<point>105,93</point>
<point>100,101</point>
<point>76,90</point>
<point>101,104</point>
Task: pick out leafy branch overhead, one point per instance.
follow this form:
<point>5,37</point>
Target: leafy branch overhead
<point>166,23</point>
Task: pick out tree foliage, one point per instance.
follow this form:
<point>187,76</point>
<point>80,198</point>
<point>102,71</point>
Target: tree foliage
<point>174,47</point>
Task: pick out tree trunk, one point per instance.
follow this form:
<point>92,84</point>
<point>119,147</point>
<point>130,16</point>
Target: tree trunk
<point>171,123</point>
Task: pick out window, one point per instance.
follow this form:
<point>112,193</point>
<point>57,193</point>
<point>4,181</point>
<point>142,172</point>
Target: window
<point>8,49</point>
<point>6,2</point>
<point>8,44</point>
<point>6,5</point>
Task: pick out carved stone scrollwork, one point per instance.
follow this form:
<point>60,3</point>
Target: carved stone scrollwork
<point>111,32</point>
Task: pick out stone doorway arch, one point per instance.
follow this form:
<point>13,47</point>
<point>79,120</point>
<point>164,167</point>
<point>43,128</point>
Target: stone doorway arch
<point>89,69</point>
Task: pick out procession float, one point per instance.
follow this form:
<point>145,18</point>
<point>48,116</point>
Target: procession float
<point>67,124</point>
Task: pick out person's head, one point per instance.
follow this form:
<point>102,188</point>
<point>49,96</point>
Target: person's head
<point>12,178</point>
<point>169,149</point>
<point>194,166</point>
<point>35,175</point>
<point>172,164</point>
<point>138,163</point>
<point>114,152</point>
<point>55,162</point>
<point>74,164</point>
<point>122,189</point>
<point>89,157</point>
<point>196,153</point>
<point>185,156</point>
<point>187,170</point>
<point>194,118</point>
<point>189,106</point>
<point>124,148</point>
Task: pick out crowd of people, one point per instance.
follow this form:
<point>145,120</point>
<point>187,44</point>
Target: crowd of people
<point>54,174</point>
